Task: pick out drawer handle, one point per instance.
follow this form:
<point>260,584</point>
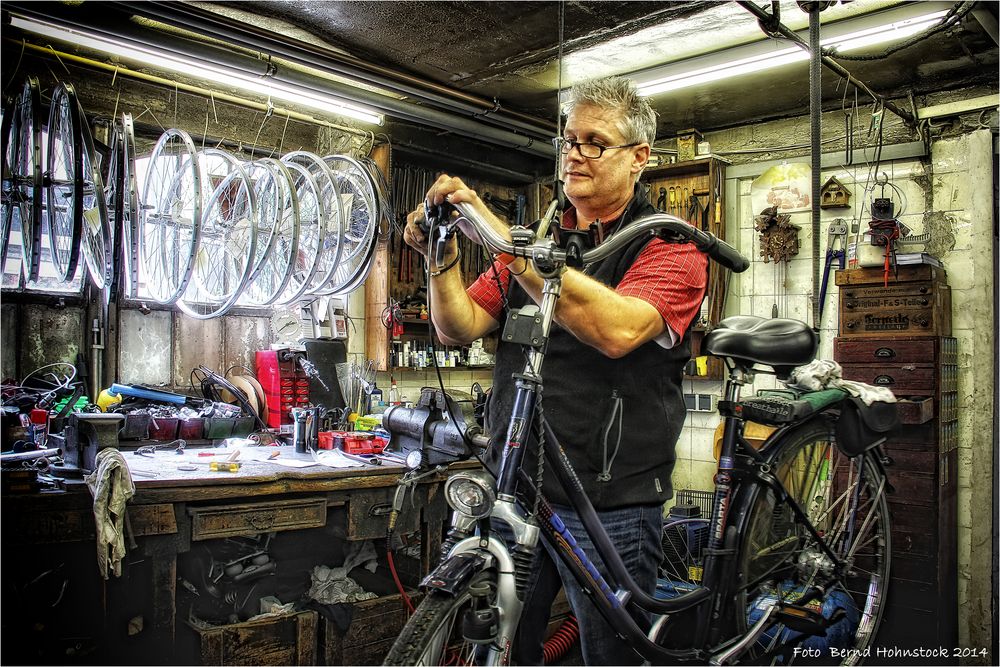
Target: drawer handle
<point>885,353</point>
<point>883,380</point>
<point>382,509</point>
<point>260,520</point>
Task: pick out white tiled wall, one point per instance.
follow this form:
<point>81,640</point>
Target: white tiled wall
<point>950,194</point>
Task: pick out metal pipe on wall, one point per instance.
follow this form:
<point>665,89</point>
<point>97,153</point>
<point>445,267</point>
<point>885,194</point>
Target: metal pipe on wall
<point>830,63</point>
<point>215,25</point>
<point>399,108</point>
<point>815,126</point>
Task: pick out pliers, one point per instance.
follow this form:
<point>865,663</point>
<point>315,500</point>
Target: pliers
<point>836,246</point>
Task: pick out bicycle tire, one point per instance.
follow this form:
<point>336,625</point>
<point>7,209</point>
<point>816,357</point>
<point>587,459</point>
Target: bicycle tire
<point>778,558</point>
<point>64,192</point>
<point>433,634</point>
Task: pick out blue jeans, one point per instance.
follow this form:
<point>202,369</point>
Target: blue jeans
<point>636,533</point>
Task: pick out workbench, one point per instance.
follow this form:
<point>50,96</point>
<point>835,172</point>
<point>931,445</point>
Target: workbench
<point>57,609</point>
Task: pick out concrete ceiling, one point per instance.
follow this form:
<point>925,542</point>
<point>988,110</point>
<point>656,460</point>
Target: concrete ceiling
<point>513,51</point>
<point>519,54</point>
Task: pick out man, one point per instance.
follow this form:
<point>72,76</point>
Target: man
<point>613,366</point>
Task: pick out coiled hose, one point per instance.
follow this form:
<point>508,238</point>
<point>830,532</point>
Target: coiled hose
<point>561,641</point>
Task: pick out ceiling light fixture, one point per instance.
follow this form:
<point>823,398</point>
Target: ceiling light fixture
<point>767,55</point>
<point>204,71</point>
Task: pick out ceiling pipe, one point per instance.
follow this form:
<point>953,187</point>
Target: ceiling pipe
<point>179,46</point>
<point>779,28</point>
<point>214,25</point>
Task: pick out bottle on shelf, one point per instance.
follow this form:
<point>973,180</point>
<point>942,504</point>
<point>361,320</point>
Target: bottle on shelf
<point>393,393</point>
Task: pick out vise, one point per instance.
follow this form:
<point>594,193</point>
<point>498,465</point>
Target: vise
<point>438,429</point>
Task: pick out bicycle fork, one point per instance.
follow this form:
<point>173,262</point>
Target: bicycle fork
<point>477,553</point>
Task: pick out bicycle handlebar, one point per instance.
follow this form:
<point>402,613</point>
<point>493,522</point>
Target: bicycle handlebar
<point>667,227</point>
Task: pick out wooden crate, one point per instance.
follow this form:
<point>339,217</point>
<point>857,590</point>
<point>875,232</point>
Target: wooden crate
<point>375,624</point>
<point>917,302</point>
<point>281,640</point>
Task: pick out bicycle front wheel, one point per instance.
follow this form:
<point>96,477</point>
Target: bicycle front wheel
<point>433,635</point>
<point>780,559</point>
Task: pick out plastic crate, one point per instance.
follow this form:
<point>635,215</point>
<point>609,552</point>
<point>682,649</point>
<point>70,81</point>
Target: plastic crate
<point>703,499</point>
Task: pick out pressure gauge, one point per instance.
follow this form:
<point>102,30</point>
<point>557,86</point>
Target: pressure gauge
<point>414,459</point>
<point>286,326</point>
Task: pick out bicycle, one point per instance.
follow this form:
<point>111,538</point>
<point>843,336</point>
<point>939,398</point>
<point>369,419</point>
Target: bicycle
<point>797,524</point>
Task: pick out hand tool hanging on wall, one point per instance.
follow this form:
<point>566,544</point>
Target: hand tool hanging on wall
<point>661,201</point>
<point>836,246</point>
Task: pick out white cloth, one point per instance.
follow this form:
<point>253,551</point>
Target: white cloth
<point>825,374</point>
<point>111,486</point>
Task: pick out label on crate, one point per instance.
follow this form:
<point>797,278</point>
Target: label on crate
<point>876,303</point>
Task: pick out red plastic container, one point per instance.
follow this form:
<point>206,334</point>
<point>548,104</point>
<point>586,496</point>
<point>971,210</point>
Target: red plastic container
<point>163,428</point>
<point>363,443</point>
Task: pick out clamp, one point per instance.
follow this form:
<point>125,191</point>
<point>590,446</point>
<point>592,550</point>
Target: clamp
<point>836,247</point>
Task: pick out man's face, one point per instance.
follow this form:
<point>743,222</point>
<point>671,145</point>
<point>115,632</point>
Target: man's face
<point>605,182</point>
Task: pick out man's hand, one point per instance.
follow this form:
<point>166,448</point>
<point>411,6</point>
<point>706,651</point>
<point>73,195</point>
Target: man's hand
<point>452,190</point>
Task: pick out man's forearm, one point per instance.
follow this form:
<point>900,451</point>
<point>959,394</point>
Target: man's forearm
<point>456,316</point>
<point>594,313</point>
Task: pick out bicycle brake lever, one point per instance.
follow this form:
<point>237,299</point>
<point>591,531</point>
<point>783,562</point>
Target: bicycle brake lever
<point>438,217</point>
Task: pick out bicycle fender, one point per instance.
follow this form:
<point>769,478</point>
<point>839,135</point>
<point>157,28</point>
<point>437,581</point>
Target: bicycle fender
<point>452,574</point>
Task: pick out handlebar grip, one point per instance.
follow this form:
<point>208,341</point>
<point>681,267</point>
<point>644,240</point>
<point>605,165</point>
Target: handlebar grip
<point>722,252</point>
<point>730,258</point>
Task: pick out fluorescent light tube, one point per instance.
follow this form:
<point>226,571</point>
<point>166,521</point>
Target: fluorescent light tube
<point>205,71</point>
<point>653,84</point>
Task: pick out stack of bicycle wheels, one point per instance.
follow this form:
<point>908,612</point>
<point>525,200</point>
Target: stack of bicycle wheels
<point>202,229</point>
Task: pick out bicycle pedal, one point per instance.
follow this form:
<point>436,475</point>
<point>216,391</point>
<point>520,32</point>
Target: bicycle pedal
<point>806,619</point>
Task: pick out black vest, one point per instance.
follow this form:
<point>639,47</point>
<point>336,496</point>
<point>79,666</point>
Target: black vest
<point>617,419</point>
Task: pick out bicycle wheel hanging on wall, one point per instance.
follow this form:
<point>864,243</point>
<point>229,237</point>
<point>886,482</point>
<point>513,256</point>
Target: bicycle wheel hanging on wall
<point>277,198</point>
<point>64,170</point>
<point>170,222</point>
<point>8,136</point>
<point>130,208</point>
<point>226,249</point>
<point>845,499</point>
<point>312,214</point>
<point>363,213</point>
<point>123,204</point>
<point>27,178</point>
<point>332,246</point>
<point>97,242</point>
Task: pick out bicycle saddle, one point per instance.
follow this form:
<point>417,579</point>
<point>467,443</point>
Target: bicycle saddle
<point>780,343</point>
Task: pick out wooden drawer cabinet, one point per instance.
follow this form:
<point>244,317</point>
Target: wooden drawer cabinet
<point>368,512</point>
<point>375,625</point>
<point>281,640</point>
<point>898,336</point>
<point>215,521</point>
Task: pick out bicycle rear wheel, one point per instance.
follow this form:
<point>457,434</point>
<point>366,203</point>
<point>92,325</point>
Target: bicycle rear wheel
<point>845,499</point>
<point>433,635</point>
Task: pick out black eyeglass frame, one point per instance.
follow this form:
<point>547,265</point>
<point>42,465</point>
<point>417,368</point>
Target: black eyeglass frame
<point>561,143</point>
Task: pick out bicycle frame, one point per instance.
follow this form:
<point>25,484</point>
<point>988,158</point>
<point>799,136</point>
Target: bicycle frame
<point>740,470</point>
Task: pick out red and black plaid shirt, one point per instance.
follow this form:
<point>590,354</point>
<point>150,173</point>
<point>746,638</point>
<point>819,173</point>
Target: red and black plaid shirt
<point>671,277</point>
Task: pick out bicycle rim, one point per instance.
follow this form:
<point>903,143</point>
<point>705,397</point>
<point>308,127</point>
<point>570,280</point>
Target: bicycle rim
<point>845,500</point>
<point>64,167</point>
<point>433,635</point>
<point>331,253</point>
<point>361,220</point>
<point>97,242</point>
<point>8,135</point>
<point>226,250</point>
<point>170,223</point>
<point>311,234</point>
<point>277,262</point>
<point>27,177</point>
<point>130,209</point>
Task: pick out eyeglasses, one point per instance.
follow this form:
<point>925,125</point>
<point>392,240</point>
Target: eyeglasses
<point>587,149</point>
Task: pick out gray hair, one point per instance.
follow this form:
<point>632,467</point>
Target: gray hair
<point>615,93</point>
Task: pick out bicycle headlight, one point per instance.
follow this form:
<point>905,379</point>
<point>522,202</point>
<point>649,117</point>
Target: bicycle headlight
<point>470,494</point>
